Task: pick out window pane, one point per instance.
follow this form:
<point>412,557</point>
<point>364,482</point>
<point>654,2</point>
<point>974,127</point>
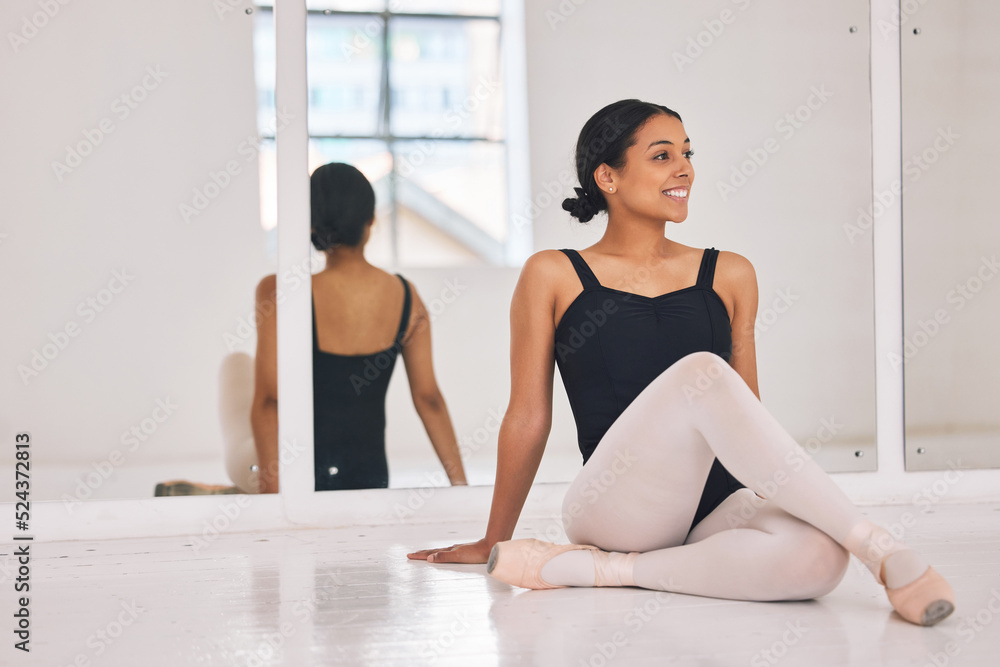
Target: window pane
<point>422,244</point>
<point>343,67</point>
<point>268,184</point>
<point>458,187</point>
<point>477,7</point>
<point>372,159</point>
<point>263,62</point>
<point>445,77</point>
<point>347,5</point>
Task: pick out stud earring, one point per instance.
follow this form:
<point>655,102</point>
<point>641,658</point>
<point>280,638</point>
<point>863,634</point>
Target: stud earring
<point>611,189</point>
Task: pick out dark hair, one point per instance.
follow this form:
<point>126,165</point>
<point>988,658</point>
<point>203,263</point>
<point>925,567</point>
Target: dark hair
<point>342,202</point>
<point>603,140</point>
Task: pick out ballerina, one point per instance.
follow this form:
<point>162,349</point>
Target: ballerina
<point>689,484</point>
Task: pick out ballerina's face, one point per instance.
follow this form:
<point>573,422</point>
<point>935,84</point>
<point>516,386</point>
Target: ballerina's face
<point>655,181</point>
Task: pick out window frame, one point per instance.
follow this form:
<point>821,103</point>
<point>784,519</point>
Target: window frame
<point>510,248</point>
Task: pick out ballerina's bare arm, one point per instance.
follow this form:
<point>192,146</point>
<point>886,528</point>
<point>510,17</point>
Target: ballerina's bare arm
<point>264,410</point>
<point>528,419</point>
<point>425,393</point>
<point>736,276</point>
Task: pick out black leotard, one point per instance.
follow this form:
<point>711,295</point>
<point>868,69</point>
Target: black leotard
<point>610,344</point>
<point>349,412</point>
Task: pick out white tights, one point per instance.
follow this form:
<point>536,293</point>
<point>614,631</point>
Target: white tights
<point>790,546</point>
<point>236,387</point>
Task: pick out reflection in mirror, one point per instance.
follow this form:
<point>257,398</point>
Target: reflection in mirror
<point>951,99</point>
<point>132,240</point>
<point>363,319</point>
<point>405,102</point>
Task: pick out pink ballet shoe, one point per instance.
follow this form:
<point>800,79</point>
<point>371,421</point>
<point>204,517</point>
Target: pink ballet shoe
<point>926,600</point>
<point>520,563</point>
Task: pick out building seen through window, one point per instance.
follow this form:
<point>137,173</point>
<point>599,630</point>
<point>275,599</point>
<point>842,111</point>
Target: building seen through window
<point>410,92</point>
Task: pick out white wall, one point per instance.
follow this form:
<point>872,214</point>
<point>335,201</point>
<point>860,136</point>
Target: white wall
<point>62,239</point>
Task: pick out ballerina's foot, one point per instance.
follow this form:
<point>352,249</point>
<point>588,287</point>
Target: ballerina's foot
<point>926,600</point>
<point>916,591</point>
<point>185,488</point>
<point>520,563</point>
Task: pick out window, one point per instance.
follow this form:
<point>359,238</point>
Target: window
<point>411,93</point>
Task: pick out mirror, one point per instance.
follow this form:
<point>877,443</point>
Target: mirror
<point>412,98</point>
<point>769,133</point>
<point>132,238</point>
<point>950,84</point>
<point>783,163</point>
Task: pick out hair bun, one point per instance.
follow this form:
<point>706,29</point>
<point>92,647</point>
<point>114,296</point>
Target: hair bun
<point>324,240</point>
<point>580,207</point>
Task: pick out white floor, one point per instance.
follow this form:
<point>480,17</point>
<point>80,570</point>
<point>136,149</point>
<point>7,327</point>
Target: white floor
<point>350,597</point>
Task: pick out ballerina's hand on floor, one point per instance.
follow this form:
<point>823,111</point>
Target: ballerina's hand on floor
<point>470,552</point>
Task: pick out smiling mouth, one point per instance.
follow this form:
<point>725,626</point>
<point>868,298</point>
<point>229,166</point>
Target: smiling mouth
<point>677,194</point>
